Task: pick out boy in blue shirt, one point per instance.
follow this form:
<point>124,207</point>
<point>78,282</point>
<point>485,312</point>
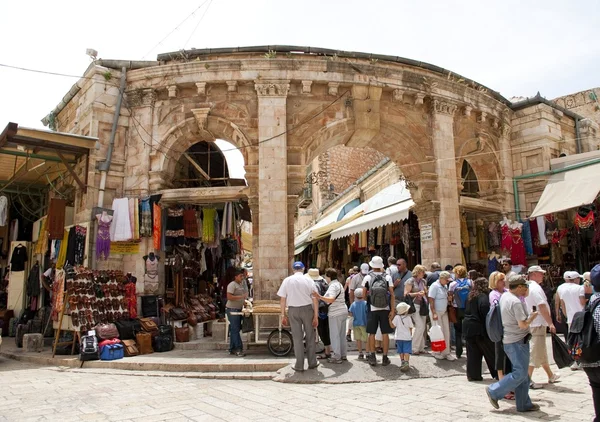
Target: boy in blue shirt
<point>358,309</point>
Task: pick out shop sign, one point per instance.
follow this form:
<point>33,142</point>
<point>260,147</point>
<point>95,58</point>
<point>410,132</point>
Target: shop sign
<point>426,232</point>
<point>125,248</point>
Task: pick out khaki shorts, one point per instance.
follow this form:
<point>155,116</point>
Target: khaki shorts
<point>538,353</point>
<point>360,333</point>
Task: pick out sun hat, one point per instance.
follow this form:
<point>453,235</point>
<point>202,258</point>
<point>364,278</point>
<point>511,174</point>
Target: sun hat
<point>535,269</point>
<point>517,280</point>
<point>402,308</point>
<point>298,265</point>
<point>571,275</point>
<point>314,273</point>
<point>358,292</point>
<point>364,268</point>
<point>586,275</point>
<point>376,262</point>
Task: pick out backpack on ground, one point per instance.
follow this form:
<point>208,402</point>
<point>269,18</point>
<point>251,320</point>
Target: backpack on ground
<point>583,340</point>
<point>378,290</point>
<point>461,292</point>
<point>89,348</point>
<point>493,323</point>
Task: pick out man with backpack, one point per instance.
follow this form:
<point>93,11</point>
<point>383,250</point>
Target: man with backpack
<point>588,337</point>
<point>459,292</point>
<point>382,305</point>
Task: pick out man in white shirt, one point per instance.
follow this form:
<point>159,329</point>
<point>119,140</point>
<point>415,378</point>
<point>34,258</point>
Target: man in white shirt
<point>536,301</point>
<point>379,316</point>
<point>296,292</point>
<point>570,296</point>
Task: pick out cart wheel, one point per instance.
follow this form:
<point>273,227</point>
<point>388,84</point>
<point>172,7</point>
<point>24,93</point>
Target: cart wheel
<point>280,343</point>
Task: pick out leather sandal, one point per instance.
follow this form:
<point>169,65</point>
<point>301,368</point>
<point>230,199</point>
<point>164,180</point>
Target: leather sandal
<point>324,356</point>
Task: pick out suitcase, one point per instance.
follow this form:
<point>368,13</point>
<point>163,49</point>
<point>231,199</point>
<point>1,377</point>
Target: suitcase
<point>163,343</point>
<point>112,352</point>
<point>128,328</point>
<point>144,342</point>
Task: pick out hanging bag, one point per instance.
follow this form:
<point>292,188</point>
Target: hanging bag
<point>247,324</point>
<point>560,353</point>
<point>408,299</point>
<point>438,343</point>
<point>493,323</point>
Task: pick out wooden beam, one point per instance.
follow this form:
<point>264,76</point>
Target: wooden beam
<point>9,131</point>
<point>72,172</point>
<point>18,173</point>
<point>196,165</point>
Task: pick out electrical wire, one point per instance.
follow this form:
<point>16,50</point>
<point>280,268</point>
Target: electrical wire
<point>198,24</point>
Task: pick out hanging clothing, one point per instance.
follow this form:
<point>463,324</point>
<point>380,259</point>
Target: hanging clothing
<point>145,218</point>
<point>3,210</point>
<point>493,235</point>
<point>42,245</point>
<point>481,243</point>
<point>156,230</point>
<point>492,264</point>
<point>535,237</point>
<point>227,220</point>
<point>371,240</point>
<point>56,218</point>
<point>379,240</point>
<point>14,230</point>
<point>517,254</point>
<point>199,224</point>
<point>406,236</point>
<point>18,258</point>
<point>541,223</point>
<point>208,225</point>
<point>71,249</point>
<point>464,232</point>
<point>35,231</point>
<point>190,224</point>
<point>527,237</point>
<point>103,239</point>
<point>585,222</point>
<point>54,247</point>
<point>80,236</point>
<point>506,244</point>
<point>174,234</point>
<point>131,298</point>
<point>120,229</point>
<point>58,289</point>
<point>33,281</point>
<point>62,254</point>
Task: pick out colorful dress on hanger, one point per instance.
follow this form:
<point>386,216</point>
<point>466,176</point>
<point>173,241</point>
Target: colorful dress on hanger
<point>527,237</point>
<point>493,235</point>
<point>62,254</point>
<point>156,230</point>
<point>131,300</point>
<point>58,289</point>
<point>481,242</point>
<point>120,229</point>
<point>464,232</point>
<point>535,237</point>
<point>507,242</point>
<point>103,239</point>
<point>517,254</point>
<point>190,224</point>
<point>492,264</point>
<point>208,225</point>
<point>174,234</point>
<point>145,218</point>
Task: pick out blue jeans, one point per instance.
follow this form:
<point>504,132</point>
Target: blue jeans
<point>518,379</point>
<point>235,327</point>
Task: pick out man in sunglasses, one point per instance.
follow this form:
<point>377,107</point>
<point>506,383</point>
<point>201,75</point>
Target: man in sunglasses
<point>516,345</point>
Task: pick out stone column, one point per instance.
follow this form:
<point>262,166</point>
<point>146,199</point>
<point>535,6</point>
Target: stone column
<point>272,241</point>
<point>442,212</point>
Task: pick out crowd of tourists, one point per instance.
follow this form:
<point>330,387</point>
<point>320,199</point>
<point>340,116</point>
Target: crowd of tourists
<point>376,301</point>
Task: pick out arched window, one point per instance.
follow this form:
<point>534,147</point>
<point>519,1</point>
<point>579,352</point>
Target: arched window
<point>469,180</point>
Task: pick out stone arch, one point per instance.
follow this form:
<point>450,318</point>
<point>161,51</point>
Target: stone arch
<point>188,132</point>
<point>482,155</point>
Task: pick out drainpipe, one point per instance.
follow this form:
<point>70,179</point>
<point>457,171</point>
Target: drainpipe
<point>544,173</point>
<point>578,147</point>
<point>105,166</point>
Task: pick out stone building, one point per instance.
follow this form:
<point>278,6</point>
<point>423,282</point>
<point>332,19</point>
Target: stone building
<point>286,106</point>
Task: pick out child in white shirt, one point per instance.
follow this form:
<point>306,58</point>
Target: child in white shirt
<point>403,324</point>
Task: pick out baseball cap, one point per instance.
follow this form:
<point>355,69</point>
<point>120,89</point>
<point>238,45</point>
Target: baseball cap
<point>298,265</point>
<point>570,275</point>
<point>517,280</point>
<point>364,268</point>
<point>535,269</point>
<point>595,277</point>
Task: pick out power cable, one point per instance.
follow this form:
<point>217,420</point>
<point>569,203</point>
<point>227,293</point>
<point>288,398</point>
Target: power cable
<point>198,24</point>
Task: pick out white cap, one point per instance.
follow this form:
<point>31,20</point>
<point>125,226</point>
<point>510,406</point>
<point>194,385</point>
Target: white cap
<point>571,275</point>
<point>364,268</point>
<point>358,292</point>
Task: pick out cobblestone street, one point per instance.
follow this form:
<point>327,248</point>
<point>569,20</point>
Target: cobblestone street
<point>35,393</point>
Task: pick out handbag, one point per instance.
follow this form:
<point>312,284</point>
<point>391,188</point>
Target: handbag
<point>452,318</point>
<point>192,319</point>
<point>247,324</point>
<point>144,341</point>
<point>107,331</point>
<point>408,299</point>
<point>149,326</point>
<point>182,334</point>
<point>178,314</point>
<point>424,309</point>
<point>131,348</point>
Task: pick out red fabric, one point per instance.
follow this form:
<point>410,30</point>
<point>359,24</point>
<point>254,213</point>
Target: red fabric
<point>108,342</point>
<point>517,254</point>
<point>190,224</point>
<point>131,299</point>
<point>506,239</point>
<point>156,231</point>
<point>535,237</point>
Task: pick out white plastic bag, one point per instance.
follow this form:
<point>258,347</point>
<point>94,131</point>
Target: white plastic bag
<point>438,343</point>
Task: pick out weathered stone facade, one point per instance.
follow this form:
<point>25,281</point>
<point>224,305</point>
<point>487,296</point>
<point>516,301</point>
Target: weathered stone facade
<point>283,110</point>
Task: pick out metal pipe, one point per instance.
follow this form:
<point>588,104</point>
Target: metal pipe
<point>544,173</point>
<point>578,147</point>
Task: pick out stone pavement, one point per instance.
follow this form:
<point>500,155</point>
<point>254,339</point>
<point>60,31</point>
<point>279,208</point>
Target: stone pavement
<point>36,393</point>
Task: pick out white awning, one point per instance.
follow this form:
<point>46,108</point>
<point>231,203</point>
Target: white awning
<point>379,218</point>
<point>300,249</point>
<point>570,189</point>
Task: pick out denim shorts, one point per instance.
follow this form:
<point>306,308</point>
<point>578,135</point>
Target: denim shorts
<point>404,346</point>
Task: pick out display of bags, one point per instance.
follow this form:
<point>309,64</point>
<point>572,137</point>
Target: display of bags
<point>182,334</point>
<point>107,331</point>
<point>178,314</point>
<point>149,326</point>
<point>88,349</point>
<point>111,352</point>
<point>191,319</point>
<point>130,348</point>
<point>127,328</point>
<point>163,343</point>
<point>144,342</point>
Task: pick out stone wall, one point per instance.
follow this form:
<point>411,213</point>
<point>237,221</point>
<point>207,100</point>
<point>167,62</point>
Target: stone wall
<point>587,104</point>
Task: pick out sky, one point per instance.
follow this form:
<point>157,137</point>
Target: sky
<point>515,47</point>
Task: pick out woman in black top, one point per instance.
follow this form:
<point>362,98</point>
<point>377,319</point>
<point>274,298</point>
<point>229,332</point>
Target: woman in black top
<point>478,343</point>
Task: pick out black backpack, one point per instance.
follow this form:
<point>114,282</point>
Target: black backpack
<point>583,340</point>
<point>89,348</point>
<point>378,287</point>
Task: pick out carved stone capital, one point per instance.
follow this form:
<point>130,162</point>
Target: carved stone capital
<point>398,95</point>
<point>467,110</point>
<point>332,88</point>
<point>506,129</point>
<point>419,97</point>
<point>272,88</point>
<point>306,87</point>
<point>481,117</point>
<point>172,91</point>
<point>201,86</point>
<point>201,115</point>
<point>443,107</point>
<point>231,86</point>
<point>495,123</point>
